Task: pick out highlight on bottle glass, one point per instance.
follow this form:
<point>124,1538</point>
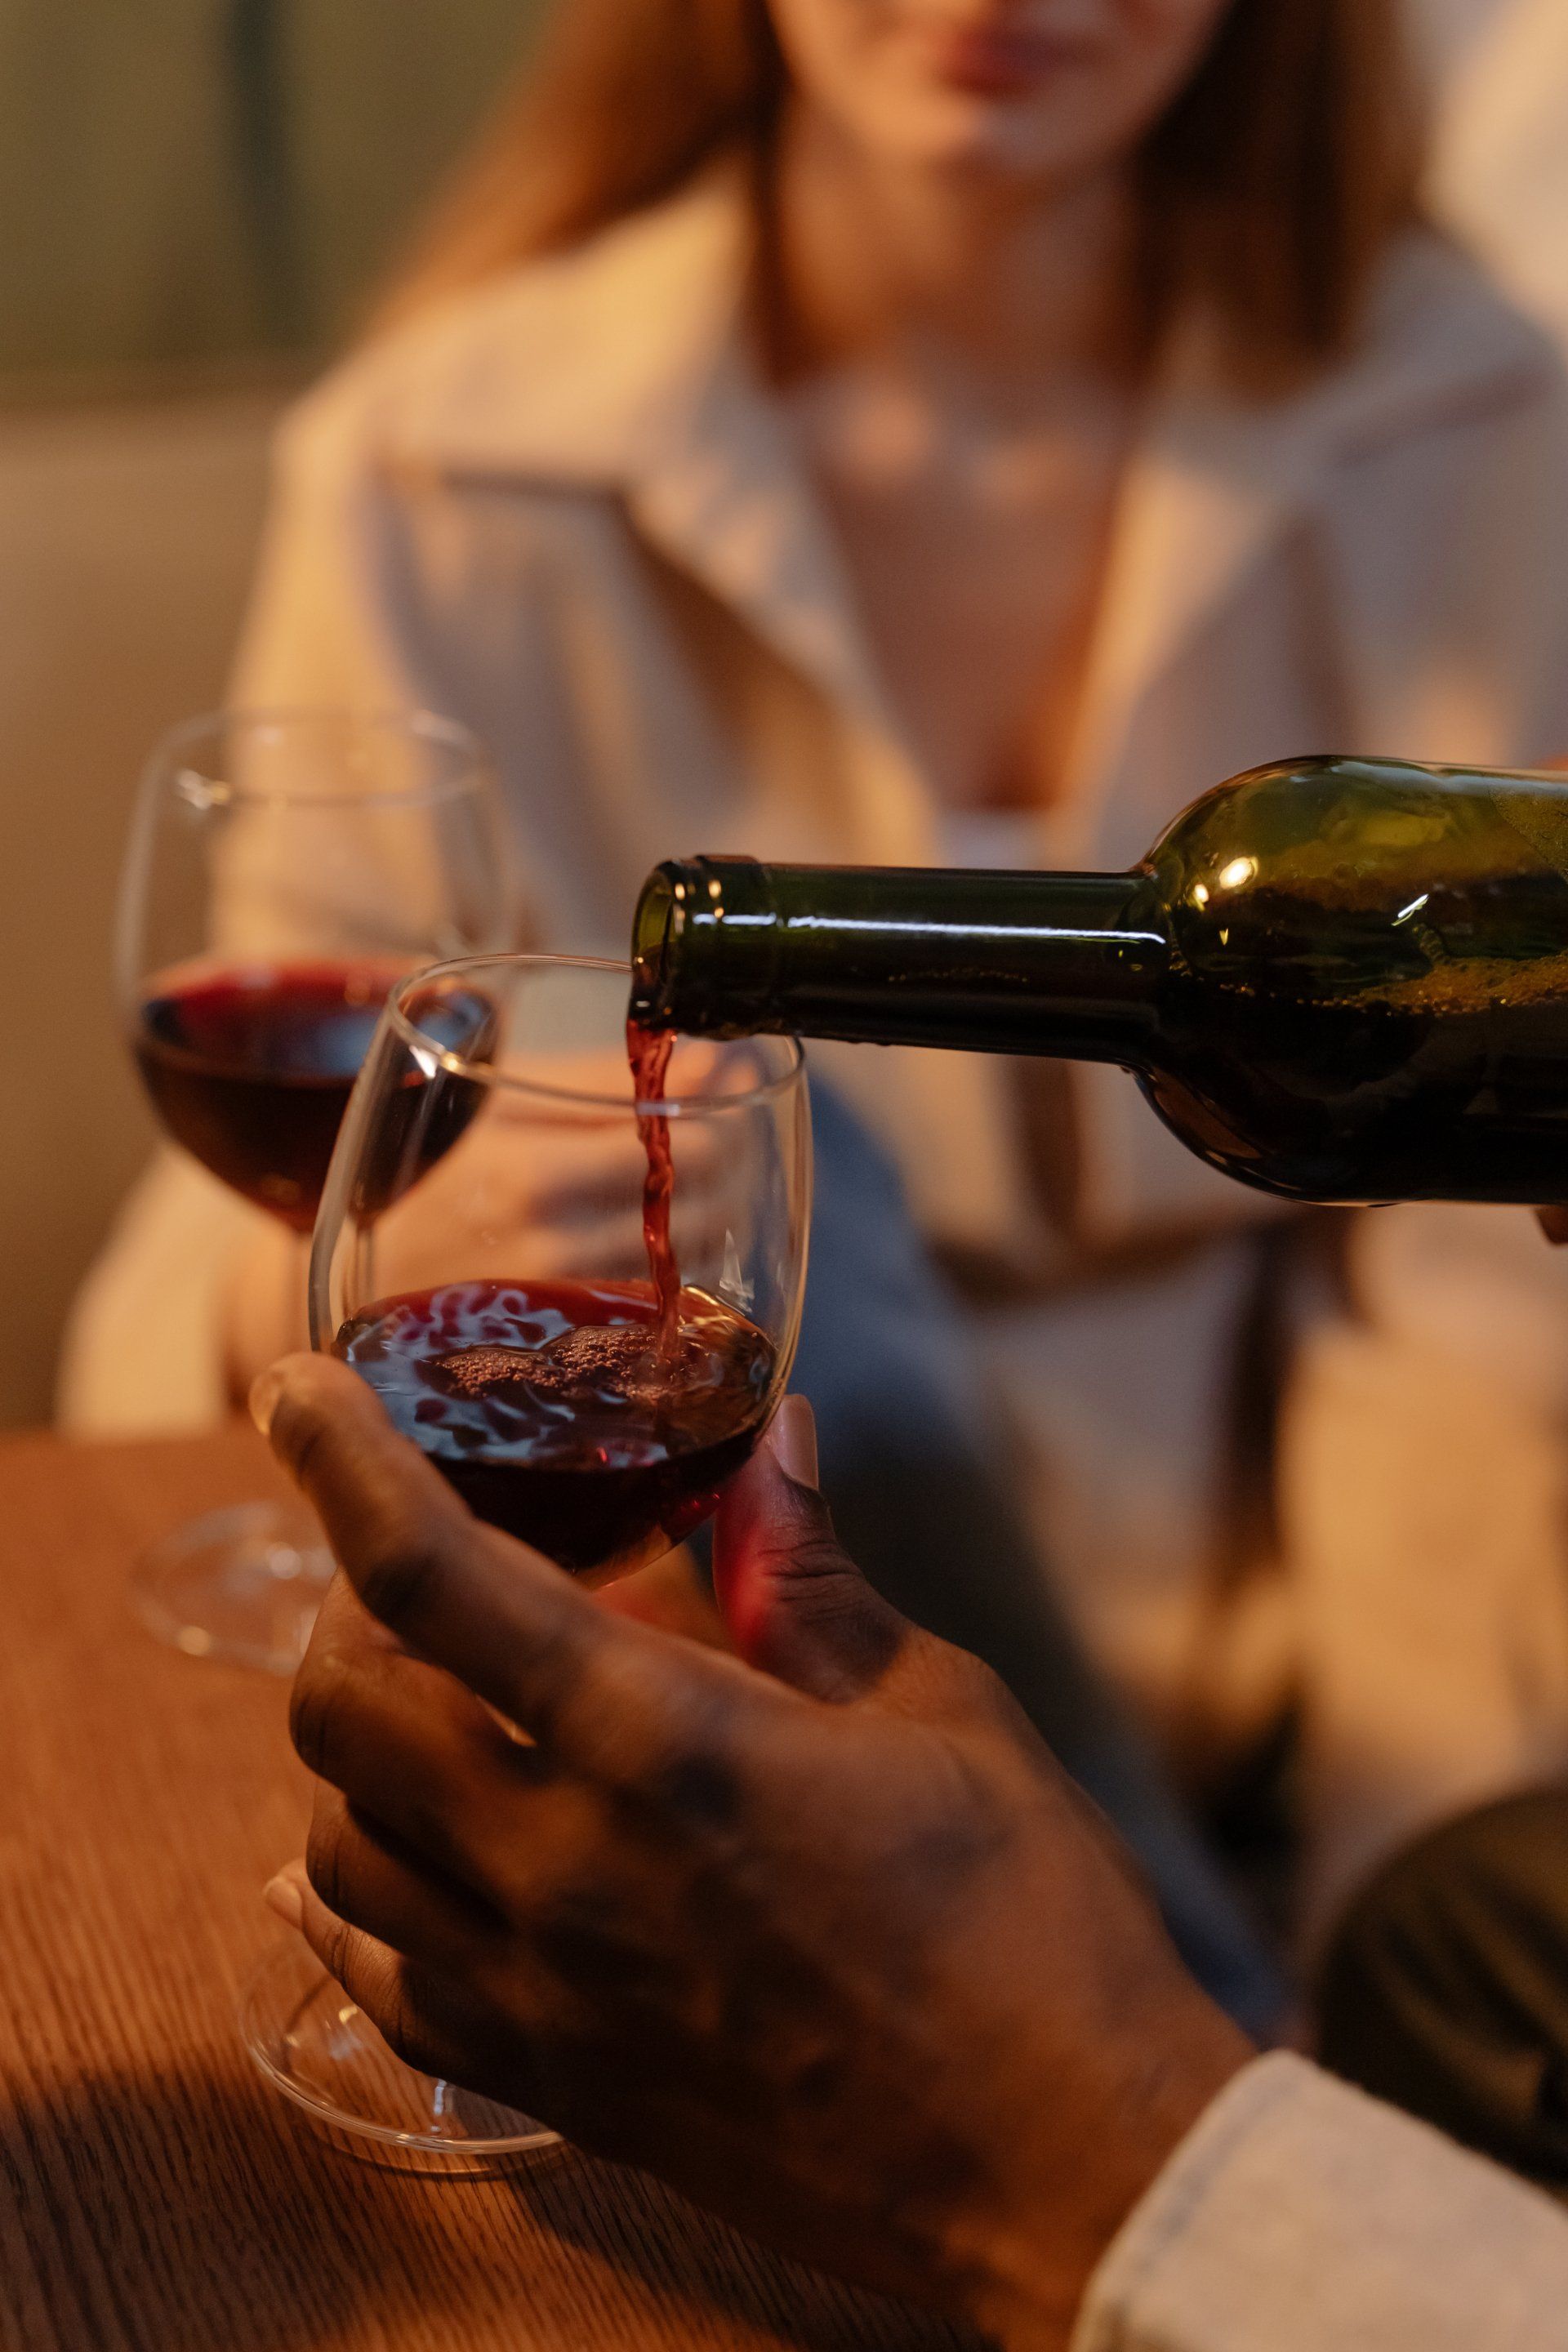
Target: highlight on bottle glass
<point>578,1293</point>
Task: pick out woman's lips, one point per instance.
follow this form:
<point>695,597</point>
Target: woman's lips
<point>998,61</point>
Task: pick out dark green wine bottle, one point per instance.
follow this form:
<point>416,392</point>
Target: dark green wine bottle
<point>1341,980</point>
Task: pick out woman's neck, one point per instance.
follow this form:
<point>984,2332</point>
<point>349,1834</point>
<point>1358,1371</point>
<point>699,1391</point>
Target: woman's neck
<point>1003,292</point>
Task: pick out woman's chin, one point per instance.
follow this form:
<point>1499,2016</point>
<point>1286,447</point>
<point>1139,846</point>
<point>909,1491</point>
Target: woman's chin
<point>952,131</point>
<point>937,127</point>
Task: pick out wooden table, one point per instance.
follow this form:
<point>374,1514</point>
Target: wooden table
<point>154,2192</point>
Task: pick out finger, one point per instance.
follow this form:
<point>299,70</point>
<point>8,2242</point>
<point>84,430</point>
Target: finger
<point>611,1697</point>
<point>370,1882</point>
<point>576,1889</point>
<point>794,1436</point>
<point>398,1997</point>
<point>794,1603</point>
<point>405,1742</point>
<point>344,1627</point>
<point>798,1606</point>
<point>447,1587</point>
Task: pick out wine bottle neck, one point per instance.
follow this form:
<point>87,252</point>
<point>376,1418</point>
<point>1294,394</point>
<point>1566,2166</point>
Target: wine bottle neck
<point>1064,964</point>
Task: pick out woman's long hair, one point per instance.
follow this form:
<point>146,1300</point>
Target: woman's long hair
<point>1268,190</point>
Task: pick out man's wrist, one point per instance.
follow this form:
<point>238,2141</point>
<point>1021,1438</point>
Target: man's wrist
<point>1041,2253</point>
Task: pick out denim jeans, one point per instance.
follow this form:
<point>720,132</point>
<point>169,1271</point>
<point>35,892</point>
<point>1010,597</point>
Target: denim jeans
<point>920,1498</point>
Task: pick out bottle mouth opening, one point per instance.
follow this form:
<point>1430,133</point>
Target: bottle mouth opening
<point>705,944</point>
<point>661,918</point>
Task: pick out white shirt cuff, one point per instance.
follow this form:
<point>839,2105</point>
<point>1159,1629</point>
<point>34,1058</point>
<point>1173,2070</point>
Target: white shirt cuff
<point>1301,2216</point>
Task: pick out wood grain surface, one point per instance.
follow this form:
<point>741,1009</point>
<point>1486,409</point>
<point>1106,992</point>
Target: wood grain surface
<point>153,2194</point>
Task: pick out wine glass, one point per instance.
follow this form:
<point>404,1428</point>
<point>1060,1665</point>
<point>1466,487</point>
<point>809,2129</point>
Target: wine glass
<point>284,868</point>
<point>487,1258</point>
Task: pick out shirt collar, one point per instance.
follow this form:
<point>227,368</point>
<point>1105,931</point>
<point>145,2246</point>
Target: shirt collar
<point>1219,477</point>
<point>627,366</point>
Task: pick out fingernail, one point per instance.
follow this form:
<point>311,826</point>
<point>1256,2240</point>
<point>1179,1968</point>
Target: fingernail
<point>282,1894</point>
<point>265,1390</point>
<point>794,1441</point>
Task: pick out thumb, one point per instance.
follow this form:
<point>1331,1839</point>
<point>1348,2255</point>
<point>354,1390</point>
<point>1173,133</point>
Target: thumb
<point>794,1600</point>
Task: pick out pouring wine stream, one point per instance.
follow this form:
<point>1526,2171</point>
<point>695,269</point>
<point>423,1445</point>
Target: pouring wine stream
<point>648,1052</point>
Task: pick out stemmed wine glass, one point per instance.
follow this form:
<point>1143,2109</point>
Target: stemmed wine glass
<point>487,1258</point>
<point>285,867</point>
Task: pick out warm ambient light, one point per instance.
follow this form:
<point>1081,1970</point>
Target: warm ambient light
<point>1239,871</point>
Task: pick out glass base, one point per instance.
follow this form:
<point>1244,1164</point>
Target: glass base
<point>241,1585</point>
<point>312,2045</point>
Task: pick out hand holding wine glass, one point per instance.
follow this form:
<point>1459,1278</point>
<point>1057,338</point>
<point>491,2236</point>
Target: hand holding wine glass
<point>835,1947</point>
<point>480,1261</point>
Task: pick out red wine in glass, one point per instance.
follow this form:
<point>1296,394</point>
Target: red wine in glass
<point>250,1068</point>
<point>563,1414</point>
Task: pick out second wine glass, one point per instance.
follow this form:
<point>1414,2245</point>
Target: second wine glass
<point>285,867</point>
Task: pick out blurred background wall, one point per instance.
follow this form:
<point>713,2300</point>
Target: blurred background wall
<point>198,196</point>
<point>202,187</point>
